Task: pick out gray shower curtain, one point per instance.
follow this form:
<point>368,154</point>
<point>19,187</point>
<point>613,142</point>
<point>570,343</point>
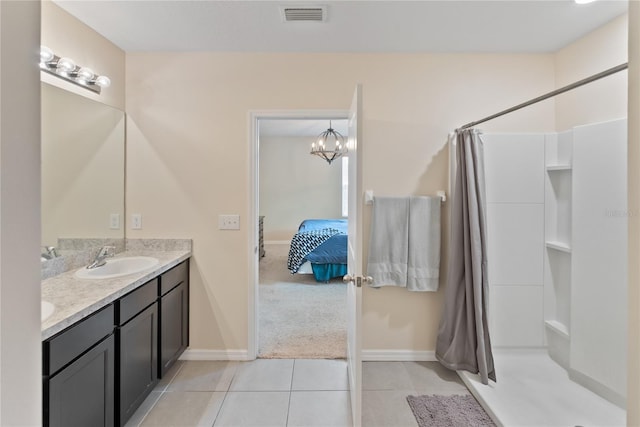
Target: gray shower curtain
<point>463,337</point>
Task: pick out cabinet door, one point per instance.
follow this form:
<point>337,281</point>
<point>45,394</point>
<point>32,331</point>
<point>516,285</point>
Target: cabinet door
<point>138,361</point>
<point>82,394</point>
<point>174,326</point>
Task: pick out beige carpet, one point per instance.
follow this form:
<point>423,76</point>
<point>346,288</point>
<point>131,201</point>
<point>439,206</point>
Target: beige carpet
<point>299,317</point>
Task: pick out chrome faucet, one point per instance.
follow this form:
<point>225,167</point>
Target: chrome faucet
<point>101,258</point>
<point>49,252</point>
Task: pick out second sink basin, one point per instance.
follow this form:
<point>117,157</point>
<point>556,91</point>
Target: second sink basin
<point>46,310</point>
<point>116,267</point>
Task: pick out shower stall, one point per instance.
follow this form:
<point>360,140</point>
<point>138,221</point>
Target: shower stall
<point>557,262</point>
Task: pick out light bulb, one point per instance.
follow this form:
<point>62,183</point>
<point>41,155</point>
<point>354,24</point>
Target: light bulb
<point>103,81</point>
<point>584,1</point>
<point>66,65</point>
<point>46,54</point>
<point>85,74</point>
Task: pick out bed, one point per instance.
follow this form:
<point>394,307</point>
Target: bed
<point>319,247</point>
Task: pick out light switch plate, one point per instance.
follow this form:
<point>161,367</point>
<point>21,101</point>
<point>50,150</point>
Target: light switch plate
<point>136,221</point>
<point>114,221</point>
<point>229,222</point>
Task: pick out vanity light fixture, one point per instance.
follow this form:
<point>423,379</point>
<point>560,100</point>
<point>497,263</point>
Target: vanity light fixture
<point>66,69</point>
<point>329,137</point>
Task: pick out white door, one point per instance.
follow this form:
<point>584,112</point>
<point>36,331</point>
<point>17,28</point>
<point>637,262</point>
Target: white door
<point>354,276</point>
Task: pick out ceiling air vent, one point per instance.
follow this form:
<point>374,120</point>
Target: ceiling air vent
<point>306,13</point>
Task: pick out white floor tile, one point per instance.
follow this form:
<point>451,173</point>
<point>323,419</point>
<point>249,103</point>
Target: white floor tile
<point>263,375</point>
<point>385,376</point>
<point>319,409</point>
<point>320,374</point>
<point>385,408</point>
<point>203,376</point>
<point>185,408</point>
<point>258,409</point>
<point>144,409</point>
<point>433,378</point>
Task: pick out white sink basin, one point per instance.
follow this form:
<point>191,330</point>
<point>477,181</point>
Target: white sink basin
<point>116,267</point>
<point>46,310</point>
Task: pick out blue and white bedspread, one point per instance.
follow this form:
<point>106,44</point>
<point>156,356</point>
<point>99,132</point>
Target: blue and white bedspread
<point>319,241</point>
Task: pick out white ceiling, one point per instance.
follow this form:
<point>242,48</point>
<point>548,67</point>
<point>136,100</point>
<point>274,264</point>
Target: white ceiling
<point>352,25</point>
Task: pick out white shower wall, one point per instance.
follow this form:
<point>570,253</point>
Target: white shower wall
<point>515,227</point>
<point>557,241</point>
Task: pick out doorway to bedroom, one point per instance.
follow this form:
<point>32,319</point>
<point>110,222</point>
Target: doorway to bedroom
<point>302,241</point>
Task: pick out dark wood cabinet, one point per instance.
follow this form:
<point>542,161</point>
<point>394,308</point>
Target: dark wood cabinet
<point>174,316</point>
<point>99,370</point>
<point>137,349</point>
<point>79,368</point>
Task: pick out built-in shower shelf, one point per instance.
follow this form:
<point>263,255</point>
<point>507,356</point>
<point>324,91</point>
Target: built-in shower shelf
<point>558,246</point>
<point>559,167</point>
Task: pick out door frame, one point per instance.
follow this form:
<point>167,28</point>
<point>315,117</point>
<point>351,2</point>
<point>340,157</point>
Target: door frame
<point>253,204</point>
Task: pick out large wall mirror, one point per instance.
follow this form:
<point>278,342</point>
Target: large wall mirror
<point>83,149</point>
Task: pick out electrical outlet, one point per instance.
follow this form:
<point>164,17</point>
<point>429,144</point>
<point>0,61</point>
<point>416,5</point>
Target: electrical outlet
<point>136,221</point>
<point>229,222</point>
<point>114,221</point>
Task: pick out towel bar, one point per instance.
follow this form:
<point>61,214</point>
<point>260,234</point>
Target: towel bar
<point>368,196</point>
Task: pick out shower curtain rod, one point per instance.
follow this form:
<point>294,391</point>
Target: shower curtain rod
<point>550,94</point>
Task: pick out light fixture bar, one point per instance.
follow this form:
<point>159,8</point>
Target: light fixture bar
<point>66,69</point>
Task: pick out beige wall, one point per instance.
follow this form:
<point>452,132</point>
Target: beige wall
<point>188,156</point>
<point>295,186</point>
<point>599,101</point>
<point>20,348</point>
<point>66,36</point>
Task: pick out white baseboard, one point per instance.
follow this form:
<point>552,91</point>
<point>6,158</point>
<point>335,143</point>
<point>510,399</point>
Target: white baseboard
<point>199,354</point>
<point>367,355</point>
<point>398,356</point>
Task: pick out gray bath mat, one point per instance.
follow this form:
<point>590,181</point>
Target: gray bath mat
<point>448,411</point>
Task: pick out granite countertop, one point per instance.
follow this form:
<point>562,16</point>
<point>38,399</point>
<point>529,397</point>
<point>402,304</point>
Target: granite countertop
<point>75,299</point>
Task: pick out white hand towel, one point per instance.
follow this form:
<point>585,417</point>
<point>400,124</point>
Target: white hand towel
<point>388,243</point>
<point>423,270</point>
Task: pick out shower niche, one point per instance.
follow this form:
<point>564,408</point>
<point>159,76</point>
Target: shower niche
<point>586,255</point>
<point>558,182</point>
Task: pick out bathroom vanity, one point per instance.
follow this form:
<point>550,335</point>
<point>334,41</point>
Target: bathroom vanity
<point>110,341</point>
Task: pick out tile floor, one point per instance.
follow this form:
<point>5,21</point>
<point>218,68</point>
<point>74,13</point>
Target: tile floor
<point>386,385</point>
<point>287,392</point>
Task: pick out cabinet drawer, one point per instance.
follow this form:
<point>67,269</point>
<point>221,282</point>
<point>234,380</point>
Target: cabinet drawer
<point>173,277</point>
<point>136,301</point>
<point>71,343</point>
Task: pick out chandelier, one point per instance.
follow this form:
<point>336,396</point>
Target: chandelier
<point>327,139</point>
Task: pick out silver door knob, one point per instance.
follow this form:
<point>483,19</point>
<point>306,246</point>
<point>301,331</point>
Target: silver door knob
<point>358,280</point>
